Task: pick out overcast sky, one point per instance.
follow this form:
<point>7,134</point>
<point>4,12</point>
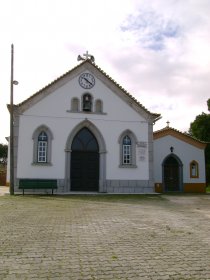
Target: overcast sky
<point>158,50</point>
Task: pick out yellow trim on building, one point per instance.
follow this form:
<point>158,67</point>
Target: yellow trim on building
<point>158,187</point>
<point>187,187</point>
<point>195,187</point>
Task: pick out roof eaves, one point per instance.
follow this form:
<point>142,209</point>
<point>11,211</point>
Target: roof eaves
<point>50,84</point>
<point>155,116</point>
<point>168,129</point>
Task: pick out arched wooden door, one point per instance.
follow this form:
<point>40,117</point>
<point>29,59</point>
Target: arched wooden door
<point>84,162</point>
<point>172,174</point>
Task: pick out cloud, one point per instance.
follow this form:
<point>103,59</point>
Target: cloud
<point>172,57</point>
<point>150,29</point>
<point>157,50</point>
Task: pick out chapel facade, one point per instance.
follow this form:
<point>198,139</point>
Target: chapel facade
<point>88,134</point>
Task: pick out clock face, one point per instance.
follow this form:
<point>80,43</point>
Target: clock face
<point>86,80</point>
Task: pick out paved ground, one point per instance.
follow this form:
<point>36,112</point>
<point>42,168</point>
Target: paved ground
<point>105,237</point>
<point>4,190</point>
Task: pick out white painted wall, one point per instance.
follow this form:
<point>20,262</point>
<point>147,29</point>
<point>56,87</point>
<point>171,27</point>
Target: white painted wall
<point>52,111</point>
<point>186,153</point>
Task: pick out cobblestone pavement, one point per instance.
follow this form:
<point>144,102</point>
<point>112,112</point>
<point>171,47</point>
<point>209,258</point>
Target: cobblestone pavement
<point>105,237</point>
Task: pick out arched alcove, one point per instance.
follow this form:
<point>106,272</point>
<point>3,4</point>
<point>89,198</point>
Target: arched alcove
<point>172,173</point>
<point>89,128</point>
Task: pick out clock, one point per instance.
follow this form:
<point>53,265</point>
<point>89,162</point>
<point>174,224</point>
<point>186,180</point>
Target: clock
<point>86,80</point>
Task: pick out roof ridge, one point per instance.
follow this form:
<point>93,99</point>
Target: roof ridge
<point>51,83</point>
<point>183,133</point>
<point>156,115</point>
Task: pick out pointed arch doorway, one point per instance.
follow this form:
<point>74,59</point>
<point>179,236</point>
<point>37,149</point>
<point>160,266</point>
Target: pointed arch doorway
<point>84,162</point>
<point>172,174</point>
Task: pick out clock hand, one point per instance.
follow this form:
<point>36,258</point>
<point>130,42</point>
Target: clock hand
<point>88,81</point>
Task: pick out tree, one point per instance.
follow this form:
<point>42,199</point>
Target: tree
<point>208,104</point>
<point>3,154</point>
<point>200,129</point>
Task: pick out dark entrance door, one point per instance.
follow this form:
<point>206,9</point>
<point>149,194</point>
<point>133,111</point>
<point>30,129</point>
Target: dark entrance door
<point>171,174</point>
<point>84,162</point>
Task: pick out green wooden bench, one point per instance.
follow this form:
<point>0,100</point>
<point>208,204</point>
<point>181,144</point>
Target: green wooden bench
<point>26,184</point>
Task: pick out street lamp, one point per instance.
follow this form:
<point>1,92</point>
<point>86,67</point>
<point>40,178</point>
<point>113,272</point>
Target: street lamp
<point>11,124</point>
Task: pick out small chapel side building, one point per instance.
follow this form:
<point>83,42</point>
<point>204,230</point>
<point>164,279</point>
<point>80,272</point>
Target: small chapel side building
<point>86,132</point>
<point>179,162</point>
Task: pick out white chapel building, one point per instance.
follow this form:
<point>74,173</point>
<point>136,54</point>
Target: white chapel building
<point>88,134</point>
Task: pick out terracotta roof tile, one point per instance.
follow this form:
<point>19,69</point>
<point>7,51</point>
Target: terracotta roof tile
<point>179,135</point>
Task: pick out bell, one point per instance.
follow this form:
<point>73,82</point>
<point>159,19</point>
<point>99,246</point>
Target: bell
<point>87,106</point>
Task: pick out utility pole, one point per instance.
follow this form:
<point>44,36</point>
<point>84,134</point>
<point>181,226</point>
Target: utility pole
<point>11,140</point>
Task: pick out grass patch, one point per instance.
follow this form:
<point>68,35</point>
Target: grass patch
<point>114,258</point>
<point>116,198</point>
<point>208,189</point>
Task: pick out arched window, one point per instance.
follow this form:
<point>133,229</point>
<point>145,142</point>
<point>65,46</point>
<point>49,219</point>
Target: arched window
<point>194,171</point>
<point>87,102</point>
<point>75,104</point>
<point>127,143</point>
<point>98,106</point>
<point>126,150</point>
<point>42,145</point>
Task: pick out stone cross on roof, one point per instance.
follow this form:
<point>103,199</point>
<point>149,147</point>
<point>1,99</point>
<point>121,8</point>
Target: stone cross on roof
<point>86,56</point>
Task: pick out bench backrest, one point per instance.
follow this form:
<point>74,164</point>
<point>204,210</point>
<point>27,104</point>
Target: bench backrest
<point>37,184</point>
